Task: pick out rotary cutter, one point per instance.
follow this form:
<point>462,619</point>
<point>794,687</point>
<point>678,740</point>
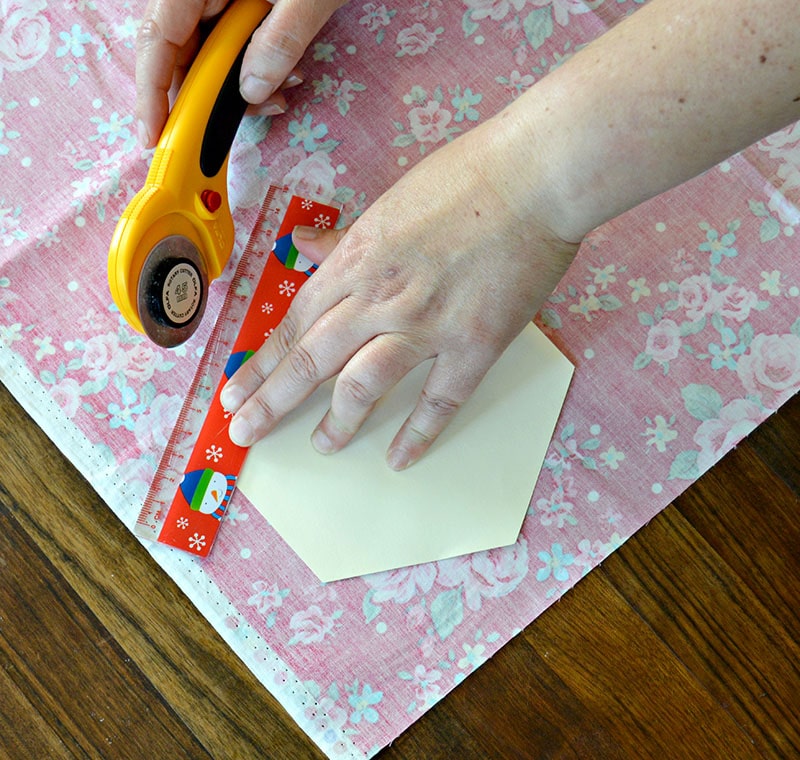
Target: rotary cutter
<point>176,234</point>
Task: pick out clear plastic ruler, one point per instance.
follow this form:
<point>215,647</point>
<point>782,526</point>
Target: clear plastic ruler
<point>194,482</point>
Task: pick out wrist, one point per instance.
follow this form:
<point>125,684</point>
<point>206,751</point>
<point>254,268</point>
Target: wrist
<point>533,164</point>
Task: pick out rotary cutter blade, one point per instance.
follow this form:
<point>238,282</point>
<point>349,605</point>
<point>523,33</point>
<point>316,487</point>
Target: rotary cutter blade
<point>176,234</point>
<point>171,296</point>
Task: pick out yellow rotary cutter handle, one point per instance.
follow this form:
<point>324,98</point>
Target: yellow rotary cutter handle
<point>176,234</point>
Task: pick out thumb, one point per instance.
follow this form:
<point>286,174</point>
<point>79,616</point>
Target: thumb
<point>279,42</point>
<point>315,243</point>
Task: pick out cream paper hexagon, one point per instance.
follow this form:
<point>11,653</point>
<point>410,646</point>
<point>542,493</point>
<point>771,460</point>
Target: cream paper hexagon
<point>348,514</point>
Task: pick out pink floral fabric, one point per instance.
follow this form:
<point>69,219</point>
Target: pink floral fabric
<point>682,318</point>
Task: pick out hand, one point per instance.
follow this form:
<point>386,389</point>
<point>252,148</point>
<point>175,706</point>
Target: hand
<point>439,267</point>
<point>169,38</point>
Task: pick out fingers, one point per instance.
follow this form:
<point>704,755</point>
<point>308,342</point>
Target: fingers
<point>276,104</point>
<point>368,376</point>
<point>166,30</point>
<point>308,305</point>
<point>295,361</point>
<point>278,44</point>
<point>316,243</point>
<point>449,385</point>
<point>168,39</point>
<point>281,384</point>
<point>371,372</point>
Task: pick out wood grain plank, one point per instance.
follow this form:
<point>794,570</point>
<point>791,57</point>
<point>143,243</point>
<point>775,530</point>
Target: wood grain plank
<point>643,700</point>
<point>540,713</point>
<point>70,671</point>
<point>513,706</point>
<point>727,639</point>
<point>211,690</point>
<point>440,734</point>
<point>750,519</point>
<point>23,730</point>
<point>777,442</point>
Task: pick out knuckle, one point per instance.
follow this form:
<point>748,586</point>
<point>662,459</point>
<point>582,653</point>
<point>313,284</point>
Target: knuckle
<point>437,407</point>
<point>264,409</point>
<point>287,43</point>
<point>275,46</point>
<point>353,391</point>
<point>285,334</point>
<point>419,436</point>
<point>149,32</point>
<point>303,364</point>
<point>252,370</point>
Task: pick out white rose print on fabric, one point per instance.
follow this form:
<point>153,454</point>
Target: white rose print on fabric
<point>782,188</point>
<point>24,34</point>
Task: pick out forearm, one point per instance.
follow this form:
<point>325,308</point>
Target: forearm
<point>669,92</point>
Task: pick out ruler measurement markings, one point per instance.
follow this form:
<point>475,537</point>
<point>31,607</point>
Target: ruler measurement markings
<point>150,519</point>
<point>237,325</point>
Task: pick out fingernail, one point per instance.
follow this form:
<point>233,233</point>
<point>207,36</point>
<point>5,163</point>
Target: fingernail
<point>398,459</point>
<point>292,81</point>
<point>321,442</point>
<point>143,134</point>
<point>232,398</point>
<point>254,89</point>
<point>271,109</point>
<point>241,432</point>
<point>306,233</point>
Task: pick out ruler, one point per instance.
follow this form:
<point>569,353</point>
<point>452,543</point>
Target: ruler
<point>197,474</point>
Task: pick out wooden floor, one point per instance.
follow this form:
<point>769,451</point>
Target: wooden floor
<point>688,638</point>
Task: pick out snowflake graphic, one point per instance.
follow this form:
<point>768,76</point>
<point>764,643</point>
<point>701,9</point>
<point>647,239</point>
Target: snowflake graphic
<point>323,220</point>
<point>214,452</point>
<point>307,204</point>
<point>269,332</point>
<point>267,308</point>
<point>197,542</point>
<point>287,288</point>
<point>183,523</point>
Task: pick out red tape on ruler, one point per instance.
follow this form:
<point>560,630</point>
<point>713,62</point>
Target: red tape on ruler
<point>193,519</point>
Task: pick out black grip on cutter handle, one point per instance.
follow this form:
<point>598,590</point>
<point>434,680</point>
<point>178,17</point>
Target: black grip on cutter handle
<point>224,119</point>
<point>201,127</point>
